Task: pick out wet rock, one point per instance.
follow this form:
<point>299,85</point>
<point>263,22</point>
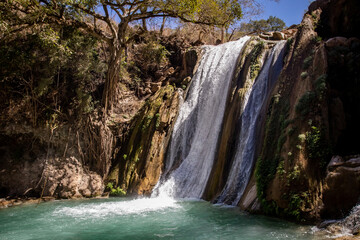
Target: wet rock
<point>349,225</point>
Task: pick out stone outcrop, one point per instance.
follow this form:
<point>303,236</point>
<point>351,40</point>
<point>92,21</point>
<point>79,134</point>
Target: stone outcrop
<point>338,18</point>
<point>312,116</point>
<point>341,187</point>
<point>64,163</point>
<point>67,178</point>
<point>140,158</point>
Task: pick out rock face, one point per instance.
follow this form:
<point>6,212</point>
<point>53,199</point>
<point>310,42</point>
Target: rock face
<point>67,178</point>
<point>62,164</point>
<point>338,18</point>
<point>313,115</point>
<point>140,158</point>
<point>341,187</point>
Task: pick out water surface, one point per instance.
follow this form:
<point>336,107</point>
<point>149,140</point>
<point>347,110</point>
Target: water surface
<point>154,218</point>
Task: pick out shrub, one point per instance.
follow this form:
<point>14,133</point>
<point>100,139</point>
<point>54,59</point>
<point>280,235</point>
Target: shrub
<point>307,62</point>
<point>317,147</point>
<point>115,191</point>
<point>320,86</point>
<point>154,52</point>
<point>304,75</point>
<point>305,103</point>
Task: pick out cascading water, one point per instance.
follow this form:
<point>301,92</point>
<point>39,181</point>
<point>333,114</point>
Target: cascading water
<point>197,127</point>
<point>244,156</point>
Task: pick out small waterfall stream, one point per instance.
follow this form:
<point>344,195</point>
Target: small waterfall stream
<point>196,130</point>
<point>245,151</point>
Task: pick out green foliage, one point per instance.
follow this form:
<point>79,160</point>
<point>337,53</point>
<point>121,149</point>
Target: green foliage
<point>268,162</point>
<point>316,39</point>
<point>294,174</point>
<point>294,209</point>
<point>280,169</point>
<point>41,64</point>
<point>276,24</point>
<point>289,42</point>
<point>317,147</point>
<point>305,103</point>
<point>304,75</point>
<point>271,24</point>
<point>254,64</point>
<point>320,86</point>
<point>153,52</point>
<point>115,191</point>
<point>307,62</point>
<point>157,125</point>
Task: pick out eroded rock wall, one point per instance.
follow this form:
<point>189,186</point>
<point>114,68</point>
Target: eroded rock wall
<point>310,118</point>
<point>139,161</point>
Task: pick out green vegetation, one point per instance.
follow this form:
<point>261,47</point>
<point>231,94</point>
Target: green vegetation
<point>295,204</point>
<point>317,147</point>
<point>307,62</point>
<point>320,86</point>
<point>153,52</point>
<point>305,104</point>
<point>317,39</point>
<point>289,42</point>
<point>304,75</point>
<point>140,136</point>
<point>268,162</point>
<point>271,24</point>
<point>255,55</point>
<point>38,66</point>
<point>115,191</point>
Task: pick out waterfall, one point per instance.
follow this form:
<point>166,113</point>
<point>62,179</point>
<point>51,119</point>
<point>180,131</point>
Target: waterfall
<point>243,162</point>
<point>194,139</point>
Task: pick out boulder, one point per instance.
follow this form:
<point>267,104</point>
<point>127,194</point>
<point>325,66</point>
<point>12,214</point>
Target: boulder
<point>278,36</point>
<point>335,162</point>
<point>341,187</point>
<point>336,41</point>
<point>66,178</point>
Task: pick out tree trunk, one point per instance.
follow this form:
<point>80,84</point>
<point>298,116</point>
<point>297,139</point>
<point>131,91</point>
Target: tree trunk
<point>117,47</point>
<point>162,26</point>
<point>112,78</point>
<point>144,24</point>
<point>222,34</point>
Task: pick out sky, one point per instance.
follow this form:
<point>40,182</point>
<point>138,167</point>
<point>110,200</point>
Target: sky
<point>290,11</point>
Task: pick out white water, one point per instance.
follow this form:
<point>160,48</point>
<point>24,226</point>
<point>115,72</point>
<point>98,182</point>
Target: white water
<point>129,207</point>
<point>244,157</point>
<point>196,130</point>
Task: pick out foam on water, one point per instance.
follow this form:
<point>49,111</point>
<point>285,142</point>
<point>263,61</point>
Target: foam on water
<point>136,206</point>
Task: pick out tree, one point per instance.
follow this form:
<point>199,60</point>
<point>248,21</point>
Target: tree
<point>271,24</point>
<point>276,24</point>
<point>86,15</point>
